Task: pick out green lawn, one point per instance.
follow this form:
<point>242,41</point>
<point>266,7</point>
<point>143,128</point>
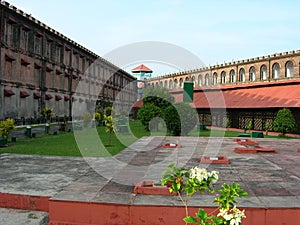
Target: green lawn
<point>66,144</point>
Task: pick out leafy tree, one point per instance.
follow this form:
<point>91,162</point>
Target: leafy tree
<point>180,118</point>
<point>6,127</point>
<point>284,121</point>
<point>87,117</point>
<point>267,127</point>
<point>249,126</point>
<point>110,126</point>
<point>103,102</point>
<point>47,113</point>
<point>109,111</point>
<point>99,116</point>
<point>228,123</point>
<point>146,113</point>
<point>158,96</point>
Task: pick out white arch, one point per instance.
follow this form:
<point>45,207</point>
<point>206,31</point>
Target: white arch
<point>232,76</point>
<point>242,75</point>
<point>289,69</point>
<point>252,74</point>
<point>275,71</point>
<point>223,77</point>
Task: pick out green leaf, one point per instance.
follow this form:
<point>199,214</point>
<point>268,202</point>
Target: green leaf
<point>190,219</point>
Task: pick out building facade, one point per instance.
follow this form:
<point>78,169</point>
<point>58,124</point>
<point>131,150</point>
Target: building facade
<point>279,66</point>
<point>41,67</point>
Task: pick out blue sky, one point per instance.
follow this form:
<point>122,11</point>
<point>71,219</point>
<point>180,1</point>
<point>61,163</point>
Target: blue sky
<point>214,30</point>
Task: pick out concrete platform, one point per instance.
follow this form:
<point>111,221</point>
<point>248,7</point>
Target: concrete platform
<point>22,217</point>
<point>100,191</point>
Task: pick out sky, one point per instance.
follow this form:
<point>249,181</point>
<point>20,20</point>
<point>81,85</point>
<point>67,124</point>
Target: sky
<point>215,31</point>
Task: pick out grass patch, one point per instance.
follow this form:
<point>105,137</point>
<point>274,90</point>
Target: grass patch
<point>65,144</point>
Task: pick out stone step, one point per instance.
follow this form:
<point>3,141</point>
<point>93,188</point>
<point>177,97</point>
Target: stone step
<point>22,217</point>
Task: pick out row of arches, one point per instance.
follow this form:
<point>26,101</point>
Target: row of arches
<point>209,78</point>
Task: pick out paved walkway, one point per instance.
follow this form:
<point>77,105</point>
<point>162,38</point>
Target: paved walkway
<point>272,180</point>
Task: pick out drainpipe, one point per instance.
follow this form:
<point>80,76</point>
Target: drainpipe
<point>70,70</point>
<point>43,76</point>
<point>2,65</point>
<point>269,77</point>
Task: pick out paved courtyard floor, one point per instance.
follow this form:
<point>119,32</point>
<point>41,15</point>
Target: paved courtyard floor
<point>271,179</point>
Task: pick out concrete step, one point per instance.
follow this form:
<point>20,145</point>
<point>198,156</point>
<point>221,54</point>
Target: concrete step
<point>22,217</point>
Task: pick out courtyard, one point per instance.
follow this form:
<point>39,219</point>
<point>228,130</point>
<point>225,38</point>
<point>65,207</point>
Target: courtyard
<point>100,190</point>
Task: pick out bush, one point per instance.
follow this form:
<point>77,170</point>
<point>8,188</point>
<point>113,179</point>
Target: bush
<point>158,96</point>
<point>180,118</point>
<point>284,121</point>
<point>47,113</point>
<point>146,113</point>
<point>87,117</point>
<point>99,116</point>
<point>6,127</point>
<point>109,111</point>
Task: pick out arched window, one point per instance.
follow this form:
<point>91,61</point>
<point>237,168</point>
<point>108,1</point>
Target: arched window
<point>207,80</point>
<point>275,71</point>
<point>160,83</point>
<point>200,80</point>
<point>242,75</point>
<point>263,72</point>
<point>231,76</point>
<point>187,79</point>
<point>152,84</point>
<point>193,80</point>
<point>289,69</point>
<point>215,78</point>
<point>252,74</point>
<point>181,83</point>
<point>156,84</point>
<point>175,83</point>
<point>166,84</point>
<point>223,77</point>
<point>170,84</point>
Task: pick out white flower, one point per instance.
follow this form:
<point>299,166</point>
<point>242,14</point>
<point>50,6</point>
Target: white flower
<point>234,215</point>
<point>215,176</point>
<point>199,173</point>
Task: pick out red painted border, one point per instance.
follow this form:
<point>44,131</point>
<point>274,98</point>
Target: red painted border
<point>208,160</point>
<point>168,146</point>
<point>26,202</point>
<point>83,213</point>
<point>146,187</point>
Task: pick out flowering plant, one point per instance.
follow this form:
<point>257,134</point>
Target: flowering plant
<point>182,180</point>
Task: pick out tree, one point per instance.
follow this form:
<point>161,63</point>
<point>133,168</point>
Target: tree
<point>6,127</point>
<point>87,117</point>
<point>158,96</point>
<point>146,113</point>
<point>180,118</point>
<point>103,102</point>
<point>284,121</point>
<point>47,113</point>
<point>99,116</point>
<point>110,126</point>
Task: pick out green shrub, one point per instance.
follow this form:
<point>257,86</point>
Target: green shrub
<point>180,118</point>
<point>6,127</point>
<point>146,113</point>
<point>99,116</point>
<point>158,96</point>
<point>47,113</point>
<point>87,117</point>
<point>284,121</point>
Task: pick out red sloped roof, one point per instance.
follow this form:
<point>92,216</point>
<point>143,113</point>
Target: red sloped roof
<point>264,95</point>
<point>141,68</point>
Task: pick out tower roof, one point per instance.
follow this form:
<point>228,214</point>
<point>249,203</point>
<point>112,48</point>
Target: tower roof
<point>141,68</point>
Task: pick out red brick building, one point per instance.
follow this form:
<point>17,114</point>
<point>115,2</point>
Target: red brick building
<point>41,67</point>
